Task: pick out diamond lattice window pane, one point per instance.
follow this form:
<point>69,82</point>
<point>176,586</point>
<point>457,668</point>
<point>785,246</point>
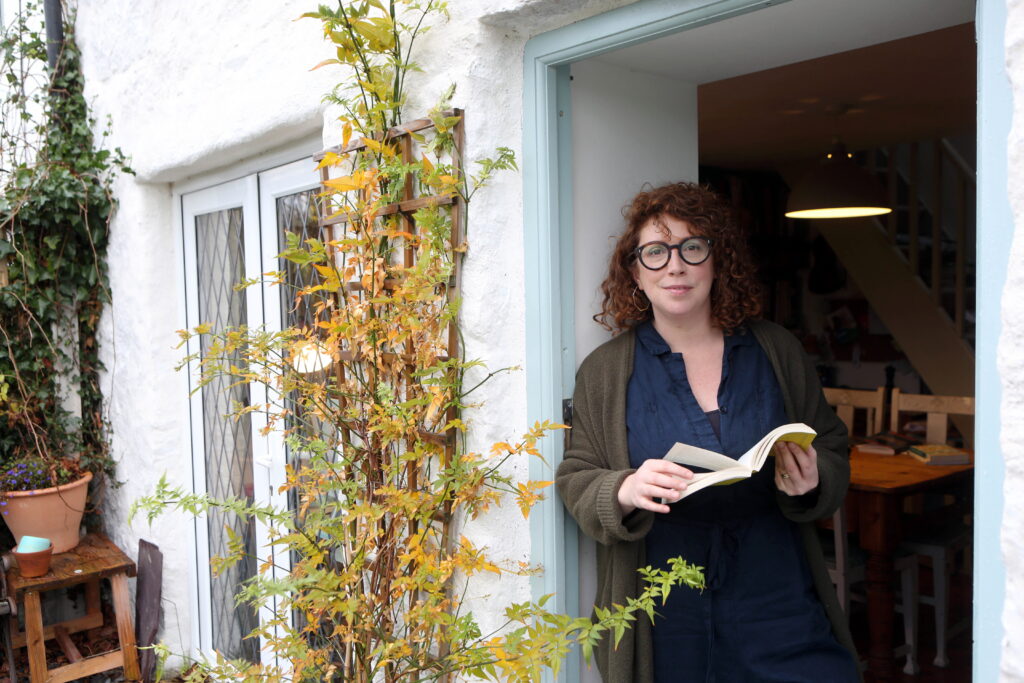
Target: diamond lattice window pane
<point>228,442</point>
<point>297,214</point>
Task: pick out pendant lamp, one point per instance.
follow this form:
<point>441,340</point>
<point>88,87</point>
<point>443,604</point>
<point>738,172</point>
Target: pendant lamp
<point>839,188</point>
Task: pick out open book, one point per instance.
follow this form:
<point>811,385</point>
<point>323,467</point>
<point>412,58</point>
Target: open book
<point>725,470</point>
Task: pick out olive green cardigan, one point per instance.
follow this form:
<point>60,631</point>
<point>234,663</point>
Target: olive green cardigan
<point>597,461</point>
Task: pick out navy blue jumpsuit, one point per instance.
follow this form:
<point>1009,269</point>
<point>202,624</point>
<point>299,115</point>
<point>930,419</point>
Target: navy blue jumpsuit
<point>759,619</point>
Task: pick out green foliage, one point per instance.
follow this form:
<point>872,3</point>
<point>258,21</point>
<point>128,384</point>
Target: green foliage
<point>373,39</point>
<point>370,565</point>
<point>55,211</point>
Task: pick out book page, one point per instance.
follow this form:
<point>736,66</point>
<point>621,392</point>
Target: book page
<point>796,432</point>
<point>725,470</point>
<point>692,456</point>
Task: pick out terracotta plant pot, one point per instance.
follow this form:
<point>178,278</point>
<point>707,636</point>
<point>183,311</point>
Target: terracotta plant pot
<point>54,513</point>
<point>34,564</point>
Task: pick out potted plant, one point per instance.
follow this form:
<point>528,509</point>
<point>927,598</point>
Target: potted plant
<point>33,506</point>
<point>55,209</point>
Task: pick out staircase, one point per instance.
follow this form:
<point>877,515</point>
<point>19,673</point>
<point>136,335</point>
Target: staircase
<point>916,265</point>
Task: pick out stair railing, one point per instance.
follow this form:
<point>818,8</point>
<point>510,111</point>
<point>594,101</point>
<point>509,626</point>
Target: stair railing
<point>940,193</point>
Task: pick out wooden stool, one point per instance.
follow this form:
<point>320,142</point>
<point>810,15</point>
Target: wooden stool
<point>93,559</point>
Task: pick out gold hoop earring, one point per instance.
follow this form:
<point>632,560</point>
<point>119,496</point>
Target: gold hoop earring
<point>638,306</point>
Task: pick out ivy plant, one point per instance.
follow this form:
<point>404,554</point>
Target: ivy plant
<point>56,206</point>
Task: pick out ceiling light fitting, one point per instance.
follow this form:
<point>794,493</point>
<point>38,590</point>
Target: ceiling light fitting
<point>839,188</point>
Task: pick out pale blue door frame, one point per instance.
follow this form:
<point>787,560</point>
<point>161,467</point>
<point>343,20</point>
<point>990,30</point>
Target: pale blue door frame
<point>547,176</point>
<point>995,233</point>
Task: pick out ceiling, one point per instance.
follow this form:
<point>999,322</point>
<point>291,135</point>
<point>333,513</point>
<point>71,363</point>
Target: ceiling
<point>777,85</point>
<point>915,88</point>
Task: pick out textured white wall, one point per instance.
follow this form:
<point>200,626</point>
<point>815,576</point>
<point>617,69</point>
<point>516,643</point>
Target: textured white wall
<point>481,50</point>
<point>189,87</point>
<point>193,87</point>
<point>1011,366</point>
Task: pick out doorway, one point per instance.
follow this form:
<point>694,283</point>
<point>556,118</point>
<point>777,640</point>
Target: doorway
<point>621,41</point>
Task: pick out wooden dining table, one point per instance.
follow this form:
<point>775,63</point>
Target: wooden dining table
<point>878,485</point>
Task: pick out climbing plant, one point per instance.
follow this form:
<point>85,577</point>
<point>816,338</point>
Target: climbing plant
<point>56,205</point>
<point>370,564</point>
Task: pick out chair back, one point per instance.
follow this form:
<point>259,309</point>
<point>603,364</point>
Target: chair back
<point>938,409</point>
<point>847,401</point>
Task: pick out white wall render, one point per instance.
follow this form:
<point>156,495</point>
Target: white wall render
<point>1011,365</point>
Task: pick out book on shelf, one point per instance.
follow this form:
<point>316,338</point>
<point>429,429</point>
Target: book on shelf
<point>725,470</point>
<point>940,454</point>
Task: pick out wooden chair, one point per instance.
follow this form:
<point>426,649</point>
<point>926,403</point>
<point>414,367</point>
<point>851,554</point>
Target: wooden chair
<point>847,401</point>
<point>938,410</point>
<point>945,539</point>
<point>847,565</point>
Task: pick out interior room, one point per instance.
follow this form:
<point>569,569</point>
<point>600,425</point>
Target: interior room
<point>751,105</point>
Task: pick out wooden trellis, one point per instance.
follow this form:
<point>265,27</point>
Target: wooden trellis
<point>403,358</point>
<point>412,200</point>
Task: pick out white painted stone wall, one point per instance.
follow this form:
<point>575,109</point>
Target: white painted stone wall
<point>189,87</point>
<point>481,50</point>
<point>1011,365</point>
<point>194,87</point>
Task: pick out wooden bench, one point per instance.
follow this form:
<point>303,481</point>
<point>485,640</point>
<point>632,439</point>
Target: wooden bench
<point>93,559</point>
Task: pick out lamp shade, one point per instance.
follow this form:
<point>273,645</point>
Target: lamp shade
<point>839,188</point>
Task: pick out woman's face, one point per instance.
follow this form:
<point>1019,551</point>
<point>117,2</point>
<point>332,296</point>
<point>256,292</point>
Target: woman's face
<point>679,292</point>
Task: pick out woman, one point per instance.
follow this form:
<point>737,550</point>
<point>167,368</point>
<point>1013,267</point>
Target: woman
<point>693,364</point>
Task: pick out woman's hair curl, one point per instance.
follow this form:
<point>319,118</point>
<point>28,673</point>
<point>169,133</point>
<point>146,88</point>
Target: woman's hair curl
<point>735,292</point>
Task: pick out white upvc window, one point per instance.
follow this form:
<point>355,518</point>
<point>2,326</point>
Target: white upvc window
<point>233,226</point>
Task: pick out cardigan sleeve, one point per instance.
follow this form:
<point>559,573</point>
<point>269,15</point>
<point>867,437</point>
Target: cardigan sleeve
<point>587,479</point>
<point>806,403</point>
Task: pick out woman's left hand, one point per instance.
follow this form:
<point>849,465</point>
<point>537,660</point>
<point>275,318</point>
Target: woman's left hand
<point>796,469</point>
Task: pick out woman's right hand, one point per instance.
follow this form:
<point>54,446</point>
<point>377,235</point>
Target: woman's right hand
<point>655,478</point>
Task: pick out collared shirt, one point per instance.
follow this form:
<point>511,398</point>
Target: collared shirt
<point>759,618</point>
<point>660,403</point>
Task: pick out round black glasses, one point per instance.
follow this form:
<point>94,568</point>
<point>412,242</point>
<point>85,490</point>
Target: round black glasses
<point>655,255</point>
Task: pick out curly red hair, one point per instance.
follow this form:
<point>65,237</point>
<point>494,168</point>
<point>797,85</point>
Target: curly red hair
<point>735,294</point>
